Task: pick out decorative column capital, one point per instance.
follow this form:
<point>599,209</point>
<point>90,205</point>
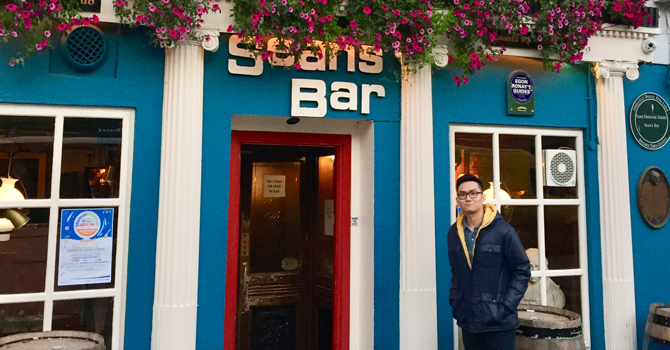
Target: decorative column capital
<point>209,39</point>
<point>441,55</point>
<point>610,68</point>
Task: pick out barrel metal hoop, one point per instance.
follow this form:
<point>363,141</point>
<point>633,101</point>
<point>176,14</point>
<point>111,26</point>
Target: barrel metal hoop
<point>662,320</point>
<point>544,333</point>
<point>660,341</point>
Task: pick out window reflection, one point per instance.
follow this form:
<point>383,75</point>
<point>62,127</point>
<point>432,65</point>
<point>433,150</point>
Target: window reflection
<point>28,142</point>
<point>21,318</point>
<point>517,165</point>
<point>25,254</point>
<point>474,155</point>
<point>88,315</point>
<point>91,158</point>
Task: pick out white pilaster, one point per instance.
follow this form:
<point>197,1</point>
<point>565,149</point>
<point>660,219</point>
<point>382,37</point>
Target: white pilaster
<point>418,301</point>
<point>176,288</point>
<point>615,217</point>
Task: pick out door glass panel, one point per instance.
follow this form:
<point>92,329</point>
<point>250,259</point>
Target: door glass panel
<point>23,258</point>
<point>91,158</point>
<point>561,235</point>
<point>275,215</point>
<point>21,318</point>
<point>517,166</point>
<point>474,155</point>
<point>558,142</point>
<point>29,143</point>
<point>326,218</point>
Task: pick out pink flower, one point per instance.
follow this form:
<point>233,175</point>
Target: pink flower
<point>38,47</point>
<point>297,65</point>
<point>523,30</point>
<point>119,3</point>
<point>396,12</point>
<point>261,3</point>
<point>11,64</point>
<point>385,7</point>
<point>356,42</point>
<point>457,80</point>
<point>27,23</point>
<point>539,47</point>
<point>11,7</point>
<point>47,33</point>
<point>353,24</point>
<point>379,37</point>
<point>95,19</point>
<point>42,3</point>
<point>230,28</point>
<point>290,9</point>
<point>173,33</point>
<point>367,10</point>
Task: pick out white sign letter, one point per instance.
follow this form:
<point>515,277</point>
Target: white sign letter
<point>236,51</point>
<point>341,90</point>
<point>370,63</point>
<point>298,96</point>
<point>366,90</point>
<point>279,58</point>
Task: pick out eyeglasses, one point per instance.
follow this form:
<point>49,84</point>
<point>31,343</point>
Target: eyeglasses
<point>472,194</point>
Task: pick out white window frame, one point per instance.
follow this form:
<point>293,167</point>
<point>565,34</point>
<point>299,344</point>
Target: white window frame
<point>539,202</point>
<point>54,203</point>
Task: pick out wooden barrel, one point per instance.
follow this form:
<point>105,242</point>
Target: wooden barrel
<point>53,340</point>
<point>657,331</point>
<point>548,328</point>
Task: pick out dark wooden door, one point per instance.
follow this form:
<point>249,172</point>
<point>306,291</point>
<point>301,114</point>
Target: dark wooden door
<point>285,253</point>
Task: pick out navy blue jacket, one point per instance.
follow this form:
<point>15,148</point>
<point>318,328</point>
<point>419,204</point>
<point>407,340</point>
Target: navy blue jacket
<point>485,292</point>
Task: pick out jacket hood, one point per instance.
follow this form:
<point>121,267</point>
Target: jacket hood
<point>490,213</point>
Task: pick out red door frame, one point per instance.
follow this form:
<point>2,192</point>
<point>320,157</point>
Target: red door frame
<point>341,273</point>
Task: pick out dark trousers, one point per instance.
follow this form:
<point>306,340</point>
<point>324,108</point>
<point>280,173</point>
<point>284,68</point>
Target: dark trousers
<point>503,340</point>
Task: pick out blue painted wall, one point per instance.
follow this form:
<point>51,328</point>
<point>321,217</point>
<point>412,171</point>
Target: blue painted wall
<point>135,81</point>
<point>652,272</point>
<point>270,94</point>
<point>563,100</point>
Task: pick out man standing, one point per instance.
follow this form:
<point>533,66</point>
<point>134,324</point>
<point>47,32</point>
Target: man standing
<point>489,271</point>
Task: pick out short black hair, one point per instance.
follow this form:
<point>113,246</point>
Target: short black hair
<point>469,178</point>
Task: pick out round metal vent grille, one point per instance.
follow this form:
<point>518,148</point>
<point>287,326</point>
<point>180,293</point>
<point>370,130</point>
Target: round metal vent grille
<point>562,168</point>
<point>85,48</point>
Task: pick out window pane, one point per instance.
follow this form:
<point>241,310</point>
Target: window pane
<point>88,315</point>
<point>23,257</point>
<point>524,220</point>
<point>91,158</point>
<point>517,166</point>
<point>21,318</point>
<point>326,218</point>
<point>556,142</point>
<point>570,286</point>
<point>561,235</point>
<point>85,252</point>
<point>474,155</point>
<point>29,143</point>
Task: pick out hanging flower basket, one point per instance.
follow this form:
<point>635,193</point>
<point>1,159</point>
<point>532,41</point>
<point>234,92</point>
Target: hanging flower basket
<point>33,22</point>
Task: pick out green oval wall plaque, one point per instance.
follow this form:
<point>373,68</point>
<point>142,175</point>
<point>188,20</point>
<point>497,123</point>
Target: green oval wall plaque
<point>649,121</point>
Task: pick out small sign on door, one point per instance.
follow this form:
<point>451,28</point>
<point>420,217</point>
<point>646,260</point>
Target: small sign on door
<point>329,217</point>
<point>274,186</point>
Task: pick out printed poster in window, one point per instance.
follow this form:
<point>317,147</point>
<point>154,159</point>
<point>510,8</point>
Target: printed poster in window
<point>85,255</point>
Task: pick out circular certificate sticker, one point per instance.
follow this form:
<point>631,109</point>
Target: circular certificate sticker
<point>86,224</point>
<point>649,121</point>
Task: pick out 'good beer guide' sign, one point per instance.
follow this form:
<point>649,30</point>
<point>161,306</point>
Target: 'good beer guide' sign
<point>649,121</point>
<point>520,94</point>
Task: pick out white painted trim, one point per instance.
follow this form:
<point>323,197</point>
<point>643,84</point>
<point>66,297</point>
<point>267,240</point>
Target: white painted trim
<point>59,113</point>
<point>361,320</point>
<point>540,202</point>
